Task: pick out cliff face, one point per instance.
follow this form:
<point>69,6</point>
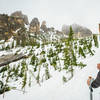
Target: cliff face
<point>8,25</point>
<point>34,26</point>
<point>79,31</point>
<point>19,14</point>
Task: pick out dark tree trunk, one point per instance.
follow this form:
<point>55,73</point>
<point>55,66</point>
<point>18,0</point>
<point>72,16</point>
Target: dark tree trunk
<point>7,59</point>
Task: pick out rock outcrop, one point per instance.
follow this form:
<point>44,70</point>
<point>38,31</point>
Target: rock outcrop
<point>51,29</point>
<point>34,25</point>
<point>8,25</point>
<point>79,31</point>
<point>19,14</point>
<point>44,27</point>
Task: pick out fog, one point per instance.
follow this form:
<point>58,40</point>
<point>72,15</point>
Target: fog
<point>57,12</point>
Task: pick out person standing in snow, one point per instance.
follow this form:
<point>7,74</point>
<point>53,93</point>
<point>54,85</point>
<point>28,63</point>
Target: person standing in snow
<point>95,83</point>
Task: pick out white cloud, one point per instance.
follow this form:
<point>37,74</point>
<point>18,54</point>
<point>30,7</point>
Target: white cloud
<point>57,12</point>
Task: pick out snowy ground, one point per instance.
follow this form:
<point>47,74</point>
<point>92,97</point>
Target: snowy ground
<point>54,89</point>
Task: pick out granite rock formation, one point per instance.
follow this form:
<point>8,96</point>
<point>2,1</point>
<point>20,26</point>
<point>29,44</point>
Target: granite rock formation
<point>34,25</point>
<point>9,25</point>
<point>44,27</point>
<point>19,14</point>
<point>79,31</point>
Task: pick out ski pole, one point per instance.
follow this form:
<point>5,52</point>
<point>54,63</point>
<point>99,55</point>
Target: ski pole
<point>90,87</point>
<point>91,91</point>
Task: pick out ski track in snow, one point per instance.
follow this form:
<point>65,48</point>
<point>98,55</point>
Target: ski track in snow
<point>54,89</point>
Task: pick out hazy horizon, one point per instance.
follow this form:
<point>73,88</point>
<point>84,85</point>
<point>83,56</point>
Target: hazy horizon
<point>56,13</point>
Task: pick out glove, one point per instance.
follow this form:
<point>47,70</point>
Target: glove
<point>89,81</point>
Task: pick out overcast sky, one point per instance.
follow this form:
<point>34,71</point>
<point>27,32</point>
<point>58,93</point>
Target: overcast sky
<point>57,12</point>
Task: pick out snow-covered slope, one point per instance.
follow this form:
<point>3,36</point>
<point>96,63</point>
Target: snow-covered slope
<point>54,89</point>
